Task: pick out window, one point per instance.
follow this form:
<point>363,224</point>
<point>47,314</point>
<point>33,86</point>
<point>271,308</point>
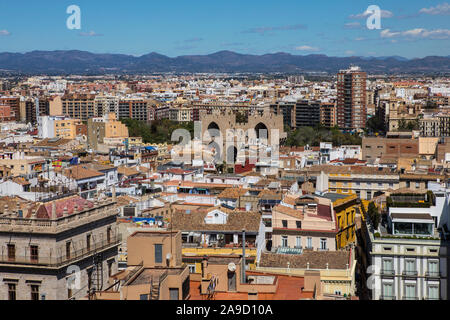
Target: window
<point>410,266</point>
<point>11,291</point>
<point>433,292</point>
<point>298,242</point>
<point>192,268</point>
<point>158,253</point>
<point>11,252</point>
<point>387,291</point>
<point>34,253</point>
<point>299,224</point>
<point>89,274</point>
<point>68,250</point>
<point>88,242</point>
<point>323,244</point>
<point>284,222</point>
<point>388,266</point>
<point>284,241</point>
<point>309,244</point>
<point>410,291</point>
<point>110,266</point>
<point>433,269</point>
<point>108,234</point>
<point>173,293</point>
<point>69,293</point>
<point>34,292</point>
<point>143,297</point>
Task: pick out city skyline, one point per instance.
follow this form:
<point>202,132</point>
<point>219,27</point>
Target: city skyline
<point>334,29</point>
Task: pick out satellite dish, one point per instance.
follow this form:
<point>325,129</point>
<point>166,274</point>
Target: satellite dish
<point>232,266</point>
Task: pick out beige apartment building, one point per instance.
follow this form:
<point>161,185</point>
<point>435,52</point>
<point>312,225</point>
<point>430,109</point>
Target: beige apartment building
<point>79,106</point>
<point>105,128</point>
<point>59,249</point>
<point>304,222</point>
<point>67,128</point>
<point>155,269</point>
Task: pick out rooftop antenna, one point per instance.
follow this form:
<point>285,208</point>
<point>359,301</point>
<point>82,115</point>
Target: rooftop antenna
<point>244,280</point>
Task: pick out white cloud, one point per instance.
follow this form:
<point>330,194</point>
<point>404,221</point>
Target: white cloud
<point>4,33</point>
<point>353,25</point>
<point>360,39</point>
<point>90,34</point>
<point>440,9</point>
<point>349,52</point>
<point>418,33</point>
<point>306,48</point>
<point>365,14</point>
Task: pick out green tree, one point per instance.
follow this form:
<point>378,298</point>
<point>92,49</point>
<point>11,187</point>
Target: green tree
<point>374,215</point>
<point>376,125</point>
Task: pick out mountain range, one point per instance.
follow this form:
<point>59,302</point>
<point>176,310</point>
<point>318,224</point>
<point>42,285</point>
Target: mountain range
<point>82,62</point>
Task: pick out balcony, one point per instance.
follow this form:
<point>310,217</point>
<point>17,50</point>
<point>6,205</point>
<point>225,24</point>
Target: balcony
<point>410,298</point>
<point>387,297</point>
<point>412,273</point>
<point>58,261</point>
<point>287,250</point>
<point>387,272</point>
<point>432,274</point>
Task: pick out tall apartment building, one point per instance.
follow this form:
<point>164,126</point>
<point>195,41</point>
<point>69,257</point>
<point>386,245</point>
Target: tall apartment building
<point>328,114</point>
<point>107,104</point>
<point>14,103</point>
<point>79,106</point>
<point>287,110</point>
<point>351,99</point>
<point>133,108</point>
<point>59,249</point>
<point>31,114</point>
<point>307,113</point>
<point>6,114</point>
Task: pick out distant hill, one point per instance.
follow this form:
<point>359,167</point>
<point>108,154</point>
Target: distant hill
<point>82,62</point>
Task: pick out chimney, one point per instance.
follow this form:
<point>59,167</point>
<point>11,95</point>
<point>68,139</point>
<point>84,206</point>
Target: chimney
<point>75,208</point>
<point>5,210</point>
<point>204,265</point>
<point>65,211</point>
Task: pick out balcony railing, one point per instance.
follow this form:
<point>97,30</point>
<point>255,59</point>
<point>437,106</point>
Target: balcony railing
<point>388,272</point>
<point>432,274</point>
<point>410,273</point>
<point>410,298</point>
<point>387,297</point>
<point>287,250</point>
<point>57,261</point>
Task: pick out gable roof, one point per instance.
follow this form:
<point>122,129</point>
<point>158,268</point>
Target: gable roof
<point>237,220</point>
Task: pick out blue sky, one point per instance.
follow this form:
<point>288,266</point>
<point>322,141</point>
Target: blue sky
<point>414,28</point>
